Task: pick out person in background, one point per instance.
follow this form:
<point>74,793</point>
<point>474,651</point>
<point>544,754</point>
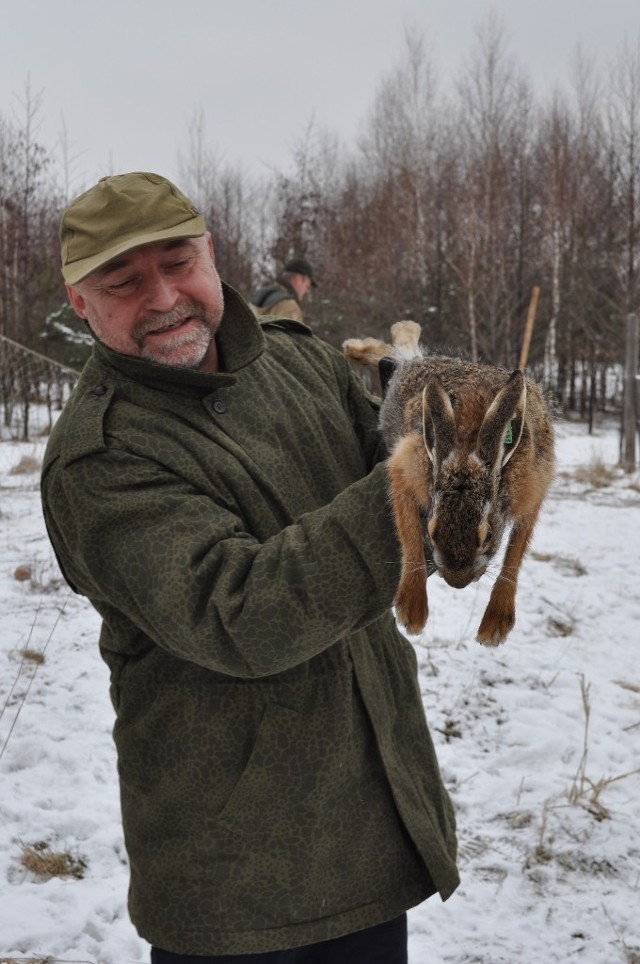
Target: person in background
<point>284,296</point>
<point>217,488</point>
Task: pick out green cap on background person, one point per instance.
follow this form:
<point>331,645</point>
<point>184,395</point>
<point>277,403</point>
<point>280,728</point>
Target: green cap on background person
<point>122,212</point>
<point>301,266</point>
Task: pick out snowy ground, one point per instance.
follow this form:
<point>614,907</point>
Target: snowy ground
<point>539,741</point>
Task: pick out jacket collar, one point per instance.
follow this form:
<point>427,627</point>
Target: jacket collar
<point>288,287</point>
<point>240,341</point>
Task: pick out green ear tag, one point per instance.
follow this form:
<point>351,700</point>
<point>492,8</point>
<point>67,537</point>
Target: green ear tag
<point>508,435</point>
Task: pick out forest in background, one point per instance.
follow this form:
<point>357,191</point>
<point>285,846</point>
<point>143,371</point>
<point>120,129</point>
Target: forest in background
<point>451,206</point>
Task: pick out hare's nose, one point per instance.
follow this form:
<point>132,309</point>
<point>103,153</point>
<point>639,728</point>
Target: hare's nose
<point>458,578</point>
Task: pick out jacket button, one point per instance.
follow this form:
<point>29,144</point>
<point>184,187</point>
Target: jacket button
<point>99,390</point>
<point>219,406</point>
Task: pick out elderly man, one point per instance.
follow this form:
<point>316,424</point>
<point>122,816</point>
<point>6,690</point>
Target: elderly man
<point>284,296</point>
<point>217,489</point>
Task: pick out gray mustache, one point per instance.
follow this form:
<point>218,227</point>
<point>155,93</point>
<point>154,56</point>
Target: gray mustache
<point>167,319</point>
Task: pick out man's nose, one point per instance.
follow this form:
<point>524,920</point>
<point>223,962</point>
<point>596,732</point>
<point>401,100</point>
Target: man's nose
<point>160,292</point>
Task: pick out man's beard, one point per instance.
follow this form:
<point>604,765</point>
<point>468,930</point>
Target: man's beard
<point>187,349</point>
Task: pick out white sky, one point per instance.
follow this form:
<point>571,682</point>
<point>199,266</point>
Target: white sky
<point>125,77</point>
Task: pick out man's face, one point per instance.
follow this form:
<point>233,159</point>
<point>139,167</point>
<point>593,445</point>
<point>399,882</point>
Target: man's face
<point>162,302</point>
<point>301,284</point>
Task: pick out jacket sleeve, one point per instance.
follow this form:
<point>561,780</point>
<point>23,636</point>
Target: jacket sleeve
<point>365,410</point>
<point>182,568</point>
<point>362,405</point>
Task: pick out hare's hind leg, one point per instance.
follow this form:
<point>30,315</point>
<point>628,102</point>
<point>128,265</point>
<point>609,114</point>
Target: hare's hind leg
<point>407,491</point>
<point>366,351</point>
<point>406,335</point>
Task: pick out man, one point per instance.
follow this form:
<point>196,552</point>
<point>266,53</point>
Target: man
<point>217,489</point>
<point>284,296</point>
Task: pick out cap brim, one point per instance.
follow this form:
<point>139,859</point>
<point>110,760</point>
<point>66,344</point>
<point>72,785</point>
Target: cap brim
<point>77,270</point>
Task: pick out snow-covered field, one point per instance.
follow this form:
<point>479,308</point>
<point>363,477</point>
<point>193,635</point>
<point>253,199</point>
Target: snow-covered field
<point>539,741</point>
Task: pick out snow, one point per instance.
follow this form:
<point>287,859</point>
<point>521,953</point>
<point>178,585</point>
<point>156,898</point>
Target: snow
<point>538,740</point>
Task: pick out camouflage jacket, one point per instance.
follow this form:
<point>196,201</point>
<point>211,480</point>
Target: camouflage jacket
<point>278,299</point>
<point>278,781</point>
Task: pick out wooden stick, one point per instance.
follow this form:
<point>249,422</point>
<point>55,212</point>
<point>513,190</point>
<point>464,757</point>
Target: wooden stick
<point>531,317</point>
<point>629,403</point>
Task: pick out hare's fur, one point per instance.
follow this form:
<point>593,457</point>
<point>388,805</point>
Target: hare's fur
<point>472,452</point>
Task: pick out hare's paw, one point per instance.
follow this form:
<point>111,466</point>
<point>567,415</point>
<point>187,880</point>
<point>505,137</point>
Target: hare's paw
<point>353,348</point>
<point>365,351</point>
<point>496,625</point>
<point>412,608</point>
<point>406,334</point>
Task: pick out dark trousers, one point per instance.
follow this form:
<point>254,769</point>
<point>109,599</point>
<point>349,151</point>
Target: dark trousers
<point>383,944</point>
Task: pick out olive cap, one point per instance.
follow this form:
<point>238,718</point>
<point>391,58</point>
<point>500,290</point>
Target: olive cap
<point>122,212</point>
<point>301,266</point>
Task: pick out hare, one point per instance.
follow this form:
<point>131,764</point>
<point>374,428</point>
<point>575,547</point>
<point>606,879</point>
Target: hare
<point>472,452</point>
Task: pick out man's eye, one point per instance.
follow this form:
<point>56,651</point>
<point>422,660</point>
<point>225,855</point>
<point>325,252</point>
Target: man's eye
<point>177,266</point>
<point>122,285</point>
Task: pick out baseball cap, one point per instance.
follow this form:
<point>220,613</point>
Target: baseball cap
<point>300,266</point>
<point>121,212</point>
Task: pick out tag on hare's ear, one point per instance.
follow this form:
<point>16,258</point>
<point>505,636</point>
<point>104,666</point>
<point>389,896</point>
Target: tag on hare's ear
<point>512,436</point>
<point>515,426</point>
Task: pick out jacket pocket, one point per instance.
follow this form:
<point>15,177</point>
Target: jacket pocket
<point>273,780</point>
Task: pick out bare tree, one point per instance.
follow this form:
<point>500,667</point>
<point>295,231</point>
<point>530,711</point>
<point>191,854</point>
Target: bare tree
<point>402,143</point>
<point>68,161</point>
<point>494,137</point>
<point>29,209</point>
<point>307,221</point>
<point>449,211</point>
<point>575,219</point>
<point>624,126</point>
<point>230,202</point>
<point>387,223</point>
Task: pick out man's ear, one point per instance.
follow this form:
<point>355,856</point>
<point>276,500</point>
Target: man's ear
<point>210,247</point>
<point>76,301</point>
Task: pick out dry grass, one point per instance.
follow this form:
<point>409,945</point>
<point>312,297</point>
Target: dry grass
<point>40,859</point>
<point>597,475</point>
<point>567,564</point>
<point>631,954</point>
<point>25,466</point>
<point>22,573</point>
<point>28,960</point>
<point>42,576</point>
<point>632,687</point>
<point>583,792</point>
<point>32,656</point>
<point>40,960</point>
<point>560,627</point>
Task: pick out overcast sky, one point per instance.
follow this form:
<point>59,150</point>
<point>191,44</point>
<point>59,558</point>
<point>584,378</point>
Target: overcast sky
<point>124,77</point>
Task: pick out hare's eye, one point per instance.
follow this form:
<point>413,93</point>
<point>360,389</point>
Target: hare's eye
<point>486,542</point>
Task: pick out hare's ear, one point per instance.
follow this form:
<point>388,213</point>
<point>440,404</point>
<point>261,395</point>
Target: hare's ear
<point>438,421</point>
<point>502,426</point>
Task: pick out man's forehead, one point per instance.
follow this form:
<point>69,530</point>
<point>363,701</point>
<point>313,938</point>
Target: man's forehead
<point>161,247</point>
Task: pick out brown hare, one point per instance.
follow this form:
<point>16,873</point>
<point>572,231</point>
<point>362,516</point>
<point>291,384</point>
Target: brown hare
<point>471,452</point>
